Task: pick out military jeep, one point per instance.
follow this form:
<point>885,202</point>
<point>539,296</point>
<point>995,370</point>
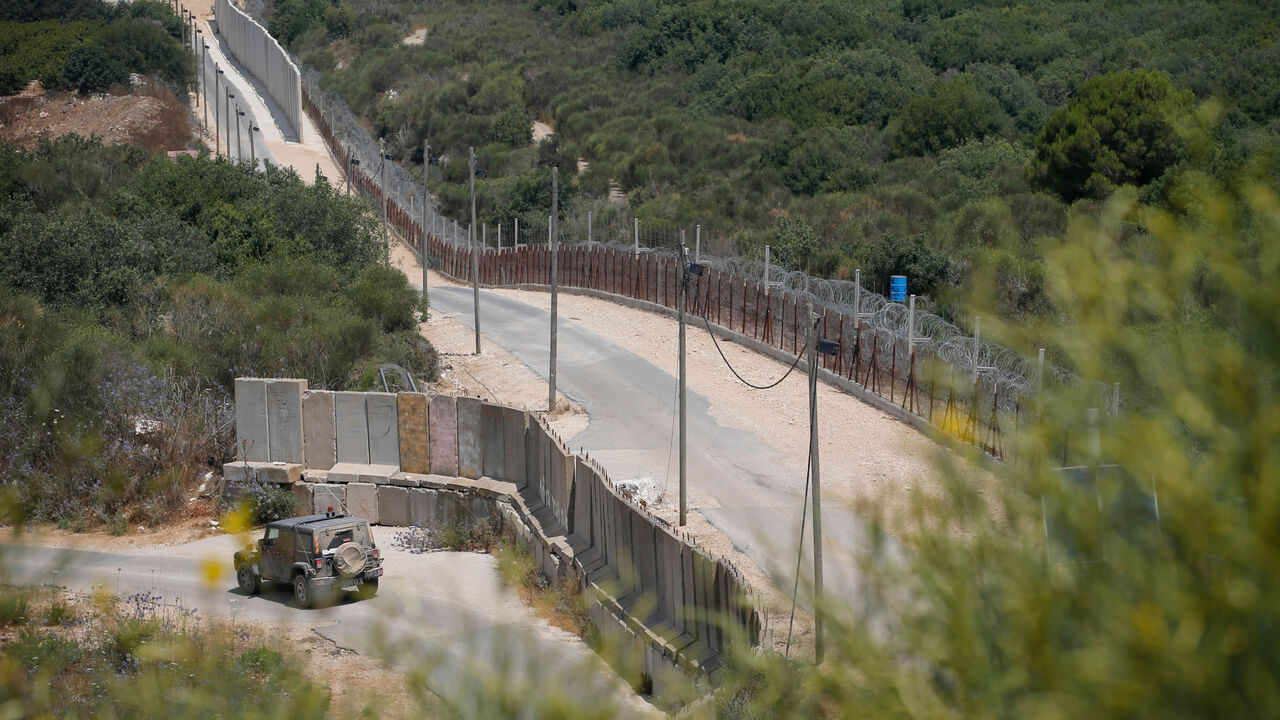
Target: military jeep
<point>320,556</point>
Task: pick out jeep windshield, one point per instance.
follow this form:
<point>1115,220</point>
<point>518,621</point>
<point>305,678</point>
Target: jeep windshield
<point>331,538</point>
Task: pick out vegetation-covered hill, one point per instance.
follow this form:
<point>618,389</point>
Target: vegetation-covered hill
<point>134,290</point>
<point>90,45</point>
<point>920,136</point>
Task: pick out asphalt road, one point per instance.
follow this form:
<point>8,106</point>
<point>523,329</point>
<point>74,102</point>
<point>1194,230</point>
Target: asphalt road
<point>443,613</point>
<point>631,402</point>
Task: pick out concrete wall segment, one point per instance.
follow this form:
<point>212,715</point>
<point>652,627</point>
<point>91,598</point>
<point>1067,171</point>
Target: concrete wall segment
<point>415,448</point>
<point>443,422</point>
<point>319,442</point>
<point>493,445</point>
<point>470,444</point>
<point>351,427</point>
<point>284,419</point>
<point>384,428</point>
<point>253,47</point>
<point>252,439</point>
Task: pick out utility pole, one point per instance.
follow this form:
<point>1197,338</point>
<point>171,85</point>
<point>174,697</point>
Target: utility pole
<point>382,169</point>
<point>516,235</point>
<point>475,253</point>
<point>637,237</point>
<point>204,84</point>
<point>697,245</point>
<point>764,279</point>
<point>554,242</point>
<point>239,147</point>
<point>680,300</point>
<point>911,327</point>
<point>195,55</point>
<point>817,483</point>
<point>226,115</point>
<point>426,171</point>
<point>217,102</point>
<point>253,153</point>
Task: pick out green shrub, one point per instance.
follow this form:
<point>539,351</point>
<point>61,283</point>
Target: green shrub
<point>14,604</point>
<point>41,651</point>
<point>89,68</point>
<point>1118,129</point>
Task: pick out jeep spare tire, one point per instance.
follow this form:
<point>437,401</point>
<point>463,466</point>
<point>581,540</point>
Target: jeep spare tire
<point>350,558</point>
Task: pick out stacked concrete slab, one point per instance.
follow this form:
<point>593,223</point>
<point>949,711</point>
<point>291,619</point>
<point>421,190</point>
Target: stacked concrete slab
<point>413,459</point>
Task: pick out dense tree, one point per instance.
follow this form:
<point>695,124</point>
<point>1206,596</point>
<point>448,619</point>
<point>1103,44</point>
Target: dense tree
<point>953,112</point>
<point>89,68</point>
<point>1119,129</point>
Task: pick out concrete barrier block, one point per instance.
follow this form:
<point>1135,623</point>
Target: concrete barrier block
<point>407,480</point>
<point>239,473</point>
<point>422,507</point>
<point>443,420</point>
<point>252,439</point>
<point>281,473</point>
<point>319,446</point>
<point>377,474</point>
<point>325,496</point>
<point>351,423</point>
<point>384,428</point>
<point>362,501</point>
<point>343,473</point>
<point>415,451</point>
<point>493,450</point>
<point>393,505</point>
<point>302,491</point>
<point>470,442</point>
<point>284,419</point>
<point>555,498</point>
<point>513,439</point>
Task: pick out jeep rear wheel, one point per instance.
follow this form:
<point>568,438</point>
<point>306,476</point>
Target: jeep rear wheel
<point>302,591</point>
<point>250,581</point>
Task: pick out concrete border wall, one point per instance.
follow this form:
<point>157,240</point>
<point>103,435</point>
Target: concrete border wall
<point>413,459</point>
<point>253,47</point>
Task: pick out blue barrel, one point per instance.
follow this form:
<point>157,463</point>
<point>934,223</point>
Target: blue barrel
<point>898,288</point>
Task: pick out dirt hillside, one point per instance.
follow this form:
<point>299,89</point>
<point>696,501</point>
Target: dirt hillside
<point>149,117</point>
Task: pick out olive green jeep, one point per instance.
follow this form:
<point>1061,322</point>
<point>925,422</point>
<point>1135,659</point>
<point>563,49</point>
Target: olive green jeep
<point>320,556</point>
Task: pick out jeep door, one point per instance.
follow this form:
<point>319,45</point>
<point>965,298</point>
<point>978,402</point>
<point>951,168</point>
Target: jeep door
<point>277,553</point>
<point>286,553</point>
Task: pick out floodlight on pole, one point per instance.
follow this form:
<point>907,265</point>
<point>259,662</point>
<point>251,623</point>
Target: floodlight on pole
<point>217,103</point>
<point>239,147</point>
<point>226,109</point>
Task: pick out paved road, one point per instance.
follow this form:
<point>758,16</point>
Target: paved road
<point>630,404</point>
<point>447,613</point>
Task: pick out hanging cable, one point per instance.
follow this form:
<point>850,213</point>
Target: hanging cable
<point>729,365</point>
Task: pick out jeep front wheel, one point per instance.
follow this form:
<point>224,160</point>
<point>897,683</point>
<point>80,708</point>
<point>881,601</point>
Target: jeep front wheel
<point>250,581</point>
<point>302,591</point>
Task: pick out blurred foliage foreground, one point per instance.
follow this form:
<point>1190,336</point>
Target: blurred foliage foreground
<point>140,657</point>
<point>1159,593</point>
